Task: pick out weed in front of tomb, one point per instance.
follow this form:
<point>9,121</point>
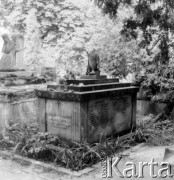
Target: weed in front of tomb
<point>25,140</point>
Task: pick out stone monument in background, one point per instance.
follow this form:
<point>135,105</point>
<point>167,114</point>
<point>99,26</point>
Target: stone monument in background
<point>18,49</point>
<point>13,71</point>
<point>7,61</point>
<point>12,52</point>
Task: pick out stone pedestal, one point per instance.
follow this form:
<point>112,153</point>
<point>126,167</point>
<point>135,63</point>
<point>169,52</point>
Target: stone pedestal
<point>90,112</point>
<point>93,77</point>
<point>19,77</point>
<point>10,72</point>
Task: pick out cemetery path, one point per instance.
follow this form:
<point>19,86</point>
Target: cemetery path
<point>12,170</point>
<point>138,154</point>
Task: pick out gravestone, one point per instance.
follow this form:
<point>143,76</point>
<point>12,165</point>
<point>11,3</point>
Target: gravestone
<point>19,51</point>
<point>90,108</point>
<point>13,48</point>
<point>12,66</point>
<point>98,108</point>
<point>18,104</point>
<point>7,59</point>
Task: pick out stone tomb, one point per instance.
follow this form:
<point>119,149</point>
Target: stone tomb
<point>100,108</point>
<point>18,101</point>
<point>18,104</point>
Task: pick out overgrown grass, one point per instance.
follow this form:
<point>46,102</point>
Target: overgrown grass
<point>76,156</point>
<point>160,133</point>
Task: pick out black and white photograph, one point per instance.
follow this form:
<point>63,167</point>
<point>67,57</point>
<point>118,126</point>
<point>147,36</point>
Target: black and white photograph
<point>86,89</point>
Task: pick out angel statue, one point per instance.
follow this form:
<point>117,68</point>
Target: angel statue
<point>7,60</point>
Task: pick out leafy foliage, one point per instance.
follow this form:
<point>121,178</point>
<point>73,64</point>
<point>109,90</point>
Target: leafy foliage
<point>26,141</point>
<point>155,133</point>
<point>151,24</point>
<point>62,33</point>
<point>46,147</point>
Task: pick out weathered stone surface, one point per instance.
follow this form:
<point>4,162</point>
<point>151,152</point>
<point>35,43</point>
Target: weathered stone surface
<point>88,95</point>
<point>18,104</point>
<point>16,93</point>
<point>93,77</point>
<point>18,78</point>
<point>108,116</point>
<point>18,40</point>
<point>90,87</point>
<point>88,114</point>
<point>92,81</point>
<point>15,73</point>
<point>93,63</point>
<point>63,119</point>
<point>7,61</point>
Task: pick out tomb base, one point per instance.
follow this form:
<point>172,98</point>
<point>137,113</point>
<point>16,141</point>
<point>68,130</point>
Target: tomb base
<point>87,112</point>
<point>93,77</point>
<point>19,77</point>
<point>18,101</point>
<point>18,104</point>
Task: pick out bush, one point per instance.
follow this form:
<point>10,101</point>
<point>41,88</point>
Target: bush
<point>77,156</point>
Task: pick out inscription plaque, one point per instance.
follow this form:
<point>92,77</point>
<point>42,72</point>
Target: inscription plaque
<point>58,121</point>
<point>63,119</point>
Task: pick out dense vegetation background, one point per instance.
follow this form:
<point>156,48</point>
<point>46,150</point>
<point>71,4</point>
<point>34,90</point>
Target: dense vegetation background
<point>60,33</point>
<point>152,24</point>
<point>131,36</point>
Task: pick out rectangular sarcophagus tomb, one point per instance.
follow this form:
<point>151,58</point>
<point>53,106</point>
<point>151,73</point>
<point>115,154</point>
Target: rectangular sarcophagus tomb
<point>87,109</point>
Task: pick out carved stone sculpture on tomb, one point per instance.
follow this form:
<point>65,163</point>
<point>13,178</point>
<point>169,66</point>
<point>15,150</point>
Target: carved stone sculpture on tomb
<point>93,63</point>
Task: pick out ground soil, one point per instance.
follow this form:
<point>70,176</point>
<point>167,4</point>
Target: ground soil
<point>12,170</point>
